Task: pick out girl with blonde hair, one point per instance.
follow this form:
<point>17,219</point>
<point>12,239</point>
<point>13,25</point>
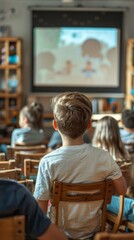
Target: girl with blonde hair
<point>107,136</point>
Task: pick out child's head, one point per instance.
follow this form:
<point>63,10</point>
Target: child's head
<point>107,132</point>
<point>72,113</point>
<point>128,118</point>
<point>31,115</point>
<point>107,136</point>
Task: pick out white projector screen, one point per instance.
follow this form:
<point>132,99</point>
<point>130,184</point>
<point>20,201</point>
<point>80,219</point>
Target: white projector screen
<point>68,56</point>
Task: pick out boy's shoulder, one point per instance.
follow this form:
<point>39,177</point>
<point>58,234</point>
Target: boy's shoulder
<point>81,150</point>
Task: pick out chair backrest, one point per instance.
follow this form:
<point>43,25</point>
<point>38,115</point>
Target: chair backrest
<point>127,173</point>
<point>30,167</point>
<point>79,192</point>
<point>116,219</point>
<point>30,144</point>
<point>11,174</point>
<point>20,157</point>
<point>5,165</point>
<point>28,183</point>
<point>129,225</point>
<point>2,157</point>
<point>12,228</point>
<point>114,236</point>
<point>31,149</point>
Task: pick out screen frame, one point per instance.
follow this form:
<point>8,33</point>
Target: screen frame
<point>53,17</point>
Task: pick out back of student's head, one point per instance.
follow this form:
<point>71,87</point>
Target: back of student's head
<point>107,136</point>
<point>34,114</point>
<point>72,112</point>
<point>128,118</point>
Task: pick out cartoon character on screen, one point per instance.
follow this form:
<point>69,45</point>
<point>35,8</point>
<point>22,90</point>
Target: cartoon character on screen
<point>45,65</point>
<point>92,48</point>
<point>88,70</point>
<point>68,67</point>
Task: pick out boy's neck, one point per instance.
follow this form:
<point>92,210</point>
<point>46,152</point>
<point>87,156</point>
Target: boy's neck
<point>72,142</point>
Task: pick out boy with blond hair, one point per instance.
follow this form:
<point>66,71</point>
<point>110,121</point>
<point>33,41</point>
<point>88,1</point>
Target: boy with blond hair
<point>75,162</point>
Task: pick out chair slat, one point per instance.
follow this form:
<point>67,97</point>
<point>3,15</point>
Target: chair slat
<point>78,192</point>
<point>5,165</point>
<point>11,174</point>
<point>114,236</point>
<point>12,228</point>
<point>31,167</point>
<point>31,149</point>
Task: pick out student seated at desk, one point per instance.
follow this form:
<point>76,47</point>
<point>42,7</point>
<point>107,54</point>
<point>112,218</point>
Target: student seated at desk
<point>31,130</point>
<point>127,132</point>
<point>15,199</point>
<point>75,162</point>
<point>107,136</point>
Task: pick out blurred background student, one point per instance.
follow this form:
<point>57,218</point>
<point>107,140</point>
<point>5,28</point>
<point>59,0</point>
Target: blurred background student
<point>127,132</point>
<point>107,136</point>
<point>31,126</point>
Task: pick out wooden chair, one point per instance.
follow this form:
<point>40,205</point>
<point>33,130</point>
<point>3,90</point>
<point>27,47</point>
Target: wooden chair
<point>114,236</point>
<point>126,171</point>
<point>28,183</point>
<point>129,225</point>
<point>11,174</point>
<point>20,157</point>
<point>29,144</point>
<point>116,219</point>
<point>15,174</point>
<point>31,168</point>
<point>31,149</point>
<point>83,193</point>
<point>12,228</point>
<point>5,165</point>
<point>2,157</point>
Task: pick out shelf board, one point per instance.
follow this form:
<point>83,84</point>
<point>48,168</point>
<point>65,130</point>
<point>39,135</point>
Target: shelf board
<point>10,66</point>
<point>9,95</point>
<point>10,39</point>
<point>129,97</point>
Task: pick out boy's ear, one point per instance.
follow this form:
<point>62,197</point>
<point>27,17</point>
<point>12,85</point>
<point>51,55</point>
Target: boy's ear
<point>89,124</point>
<point>55,125</point>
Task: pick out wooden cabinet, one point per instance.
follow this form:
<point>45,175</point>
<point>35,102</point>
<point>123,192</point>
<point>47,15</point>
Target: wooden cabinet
<point>10,80</point>
<point>130,75</point>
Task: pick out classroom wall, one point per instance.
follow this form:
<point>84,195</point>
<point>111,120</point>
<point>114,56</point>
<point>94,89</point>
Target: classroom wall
<point>20,24</point>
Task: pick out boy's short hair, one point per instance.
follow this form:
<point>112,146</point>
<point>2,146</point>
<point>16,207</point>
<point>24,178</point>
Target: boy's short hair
<point>128,118</point>
<point>72,112</point>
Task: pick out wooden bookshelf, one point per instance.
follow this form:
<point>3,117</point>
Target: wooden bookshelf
<point>130,75</point>
<point>10,79</point>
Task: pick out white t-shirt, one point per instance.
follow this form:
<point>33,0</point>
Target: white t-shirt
<point>74,164</point>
